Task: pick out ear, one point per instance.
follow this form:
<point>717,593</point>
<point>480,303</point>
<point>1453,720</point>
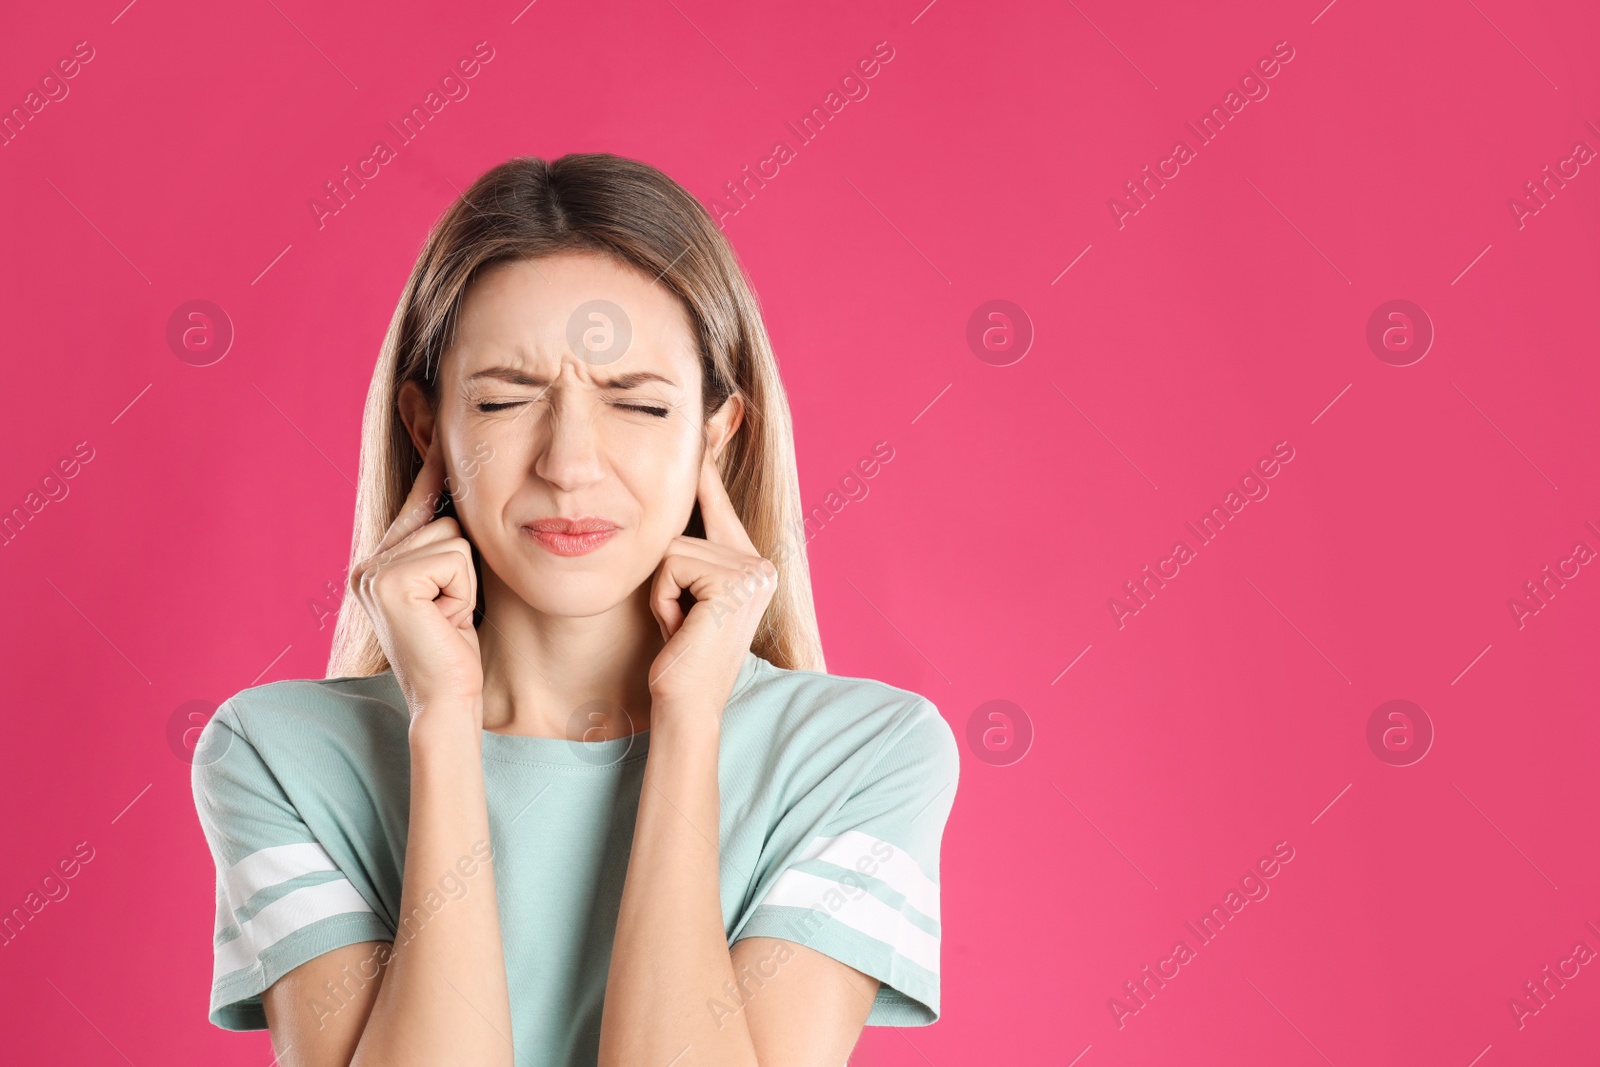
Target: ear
<point>418,416</point>
<point>721,427</point>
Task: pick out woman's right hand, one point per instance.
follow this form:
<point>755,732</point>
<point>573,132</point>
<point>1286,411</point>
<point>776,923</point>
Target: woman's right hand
<point>419,589</point>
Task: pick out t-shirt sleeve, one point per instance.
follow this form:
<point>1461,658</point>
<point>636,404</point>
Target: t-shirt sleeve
<point>281,899</point>
<point>865,889</point>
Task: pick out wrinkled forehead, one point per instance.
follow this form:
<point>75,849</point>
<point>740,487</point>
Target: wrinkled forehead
<point>572,316</point>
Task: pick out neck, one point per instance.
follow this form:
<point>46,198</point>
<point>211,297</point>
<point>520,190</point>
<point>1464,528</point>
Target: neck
<point>581,678</point>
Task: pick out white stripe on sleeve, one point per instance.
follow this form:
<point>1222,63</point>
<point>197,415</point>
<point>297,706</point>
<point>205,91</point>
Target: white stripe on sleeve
<point>856,851</point>
<point>273,866</point>
<point>863,912</point>
<point>284,916</point>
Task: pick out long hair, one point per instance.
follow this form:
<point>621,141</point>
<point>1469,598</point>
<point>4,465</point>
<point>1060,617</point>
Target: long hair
<point>525,208</point>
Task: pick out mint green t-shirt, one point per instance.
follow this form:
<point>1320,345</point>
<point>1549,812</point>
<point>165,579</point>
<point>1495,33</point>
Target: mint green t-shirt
<point>834,796</point>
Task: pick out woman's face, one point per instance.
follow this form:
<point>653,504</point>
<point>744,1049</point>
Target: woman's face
<point>571,392</point>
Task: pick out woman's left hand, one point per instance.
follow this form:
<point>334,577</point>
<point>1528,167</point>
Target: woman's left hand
<point>731,584</point>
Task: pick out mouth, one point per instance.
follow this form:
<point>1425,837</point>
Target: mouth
<point>571,537</point>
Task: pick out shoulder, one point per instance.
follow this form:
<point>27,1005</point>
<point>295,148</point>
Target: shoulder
<point>301,722</point>
<point>819,716</point>
<point>302,707</point>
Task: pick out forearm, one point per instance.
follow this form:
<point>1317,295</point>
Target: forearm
<point>444,997</point>
<point>670,957</point>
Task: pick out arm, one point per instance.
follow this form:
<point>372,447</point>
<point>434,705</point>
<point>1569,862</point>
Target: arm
<point>671,992</point>
<point>305,1033</point>
<point>784,1009</point>
<point>440,996</point>
<point>675,989</point>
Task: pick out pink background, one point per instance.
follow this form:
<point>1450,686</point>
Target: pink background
<point>1228,314</point>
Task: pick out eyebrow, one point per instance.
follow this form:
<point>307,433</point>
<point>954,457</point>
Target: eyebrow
<point>513,376</point>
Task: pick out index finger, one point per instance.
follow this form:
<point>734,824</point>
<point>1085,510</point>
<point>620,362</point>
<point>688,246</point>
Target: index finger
<point>423,500</point>
<point>716,510</point>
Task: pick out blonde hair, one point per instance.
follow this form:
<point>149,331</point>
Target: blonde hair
<point>525,208</point>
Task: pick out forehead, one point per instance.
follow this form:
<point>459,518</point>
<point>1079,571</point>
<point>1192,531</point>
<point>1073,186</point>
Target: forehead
<point>582,309</point>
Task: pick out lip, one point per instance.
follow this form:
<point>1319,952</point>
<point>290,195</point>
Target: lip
<point>571,537</point>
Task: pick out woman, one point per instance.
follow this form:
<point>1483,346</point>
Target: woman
<point>577,788</point>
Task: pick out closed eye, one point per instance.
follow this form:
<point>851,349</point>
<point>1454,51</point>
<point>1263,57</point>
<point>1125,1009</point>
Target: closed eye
<point>492,406</point>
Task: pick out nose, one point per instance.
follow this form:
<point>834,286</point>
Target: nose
<point>570,458</point>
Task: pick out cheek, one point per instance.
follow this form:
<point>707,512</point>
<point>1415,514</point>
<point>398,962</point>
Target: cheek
<point>662,476</point>
<point>479,466</point>
<point>669,479</point>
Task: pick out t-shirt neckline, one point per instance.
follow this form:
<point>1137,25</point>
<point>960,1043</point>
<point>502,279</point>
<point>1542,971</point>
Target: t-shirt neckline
<point>588,755</point>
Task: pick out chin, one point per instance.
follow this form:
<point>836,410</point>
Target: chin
<point>571,595</point>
